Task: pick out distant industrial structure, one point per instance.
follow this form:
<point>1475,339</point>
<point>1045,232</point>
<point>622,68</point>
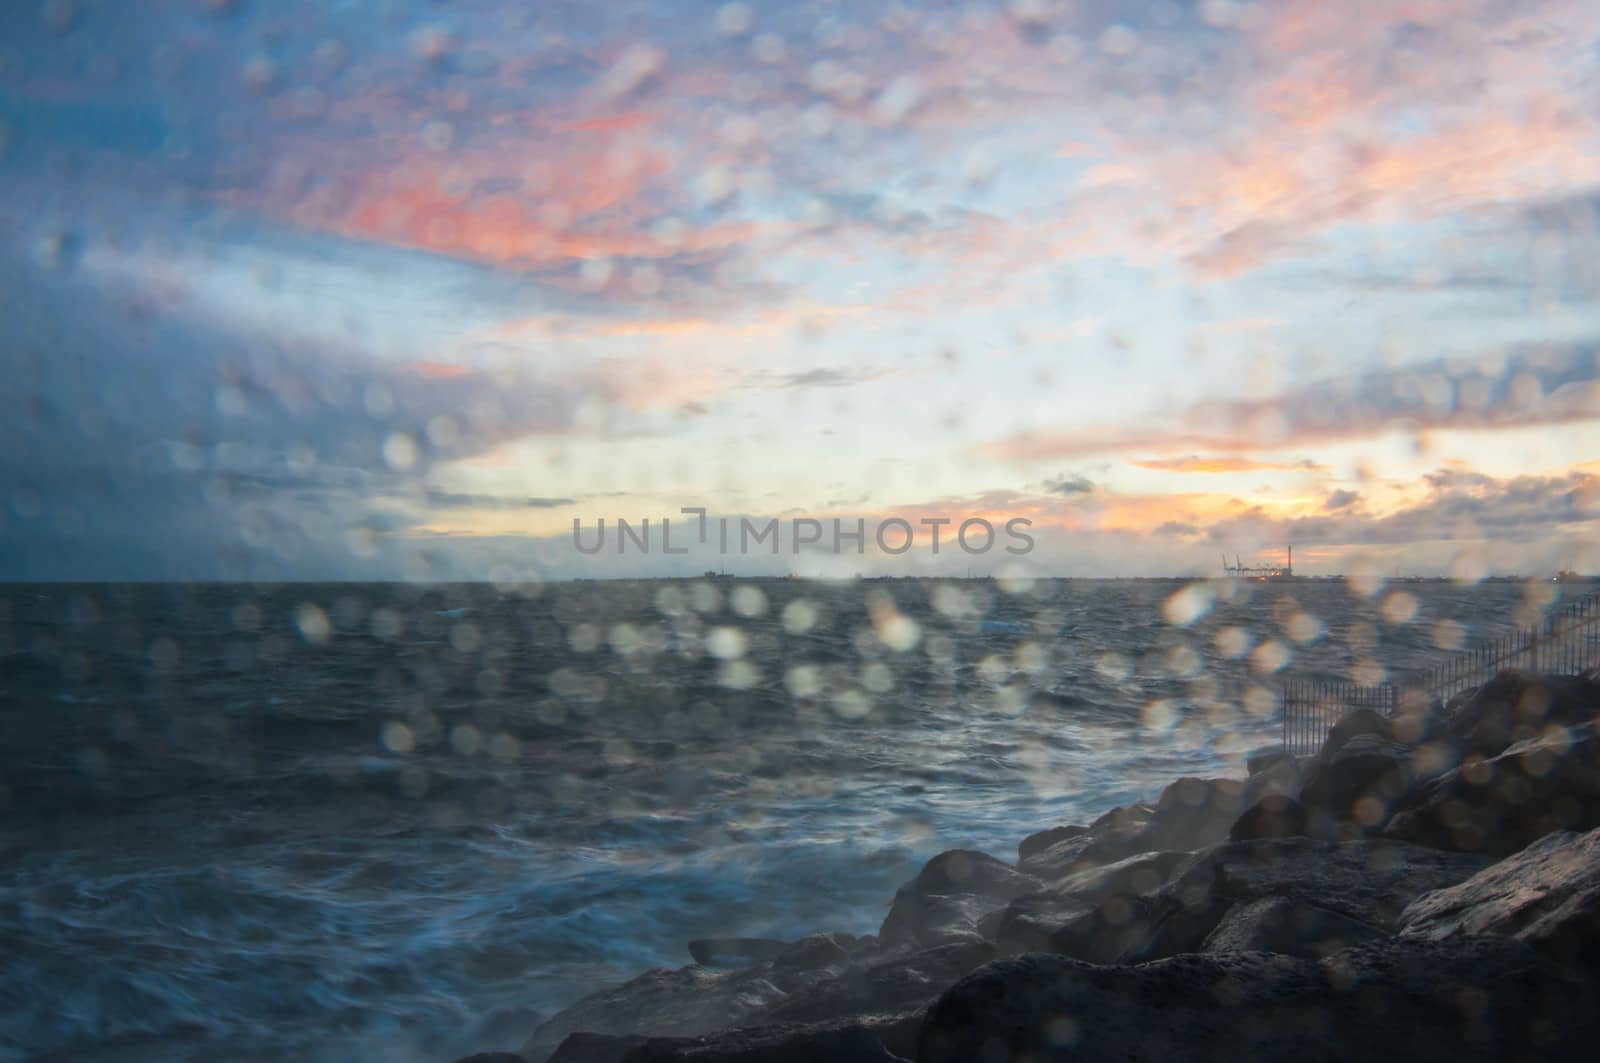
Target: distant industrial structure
<point>1239,570</point>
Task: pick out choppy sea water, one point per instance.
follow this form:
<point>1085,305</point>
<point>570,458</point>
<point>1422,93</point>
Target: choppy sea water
<point>334,822</point>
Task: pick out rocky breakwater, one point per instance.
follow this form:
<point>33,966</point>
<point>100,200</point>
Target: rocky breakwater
<point>1421,888</point>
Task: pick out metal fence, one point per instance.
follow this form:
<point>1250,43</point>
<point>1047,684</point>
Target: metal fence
<point>1566,641</point>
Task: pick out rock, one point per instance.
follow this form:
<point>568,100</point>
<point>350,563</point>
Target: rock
<point>1547,895</point>
<point>1515,706</point>
<point>1123,818</point>
<point>805,959</point>
<point>1267,757</point>
<point>1277,816</point>
<point>862,1041</point>
<point>1027,922</point>
<point>1370,882</point>
<point>1044,839</point>
<point>1116,835</point>
<point>1360,722</point>
<point>1282,777</point>
<point>1292,928</point>
<point>1455,1002</point>
<point>685,1002</point>
<point>735,952</point>
<point>1501,805</point>
<point>1356,782</point>
<point>949,896</point>
<point>594,1048</point>
<point>897,985</point>
<point>501,1057</point>
<point>1194,813</point>
<point>936,919</point>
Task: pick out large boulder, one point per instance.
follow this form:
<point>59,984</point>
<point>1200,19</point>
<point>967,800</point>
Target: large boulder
<point>1039,841</point>
<point>735,952</point>
<point>1515,706</point>
<point>1117,834</point>
<point>946,900</point>
<point>1278,816</point>
<point>1028,922</point>
<point>1194,813</point>
<point>819,955</point>
<point>1266,757</point>
<point>1354,783</point>
<point>1452,1002</point>
<point>1547,895</point>
<point>1370,882</point>
<point>1289,927</point>
<point>891,986</point>
<point>685,1002</point>
<point>878,1039</point>
<point>1503,804</point>
<point>1353,725</point>
<point>591,1048</point>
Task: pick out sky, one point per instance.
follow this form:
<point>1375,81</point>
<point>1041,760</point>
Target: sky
<point>410,289</point>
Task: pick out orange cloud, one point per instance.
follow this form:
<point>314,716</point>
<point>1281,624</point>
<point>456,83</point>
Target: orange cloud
<point>439,370</point>
<point>1230,463</point>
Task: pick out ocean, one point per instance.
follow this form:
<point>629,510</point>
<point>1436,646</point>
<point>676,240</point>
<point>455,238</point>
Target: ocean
<point>404,822</point>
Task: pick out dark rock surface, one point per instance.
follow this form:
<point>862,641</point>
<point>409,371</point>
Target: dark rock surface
<point>1027,922</point>
<point>1505,803</point>
<point>1277,816</point>
<point>954,890</point>
<point>1370,882</point>
<point>1116,835</point>
<point>1547,895</point>
<point>1458,1002</point>
<point>595,1048</point>
<point>1039,841</point>
<point>871,1040</point>
<point>1194,813</point>
<point>1267,757</point>
<point>735,952</point>
<point>685,1002</point>
<point>1292,928</point>
<point>1356,782</point>
<point>895,985</point>
<point>1515,706</point>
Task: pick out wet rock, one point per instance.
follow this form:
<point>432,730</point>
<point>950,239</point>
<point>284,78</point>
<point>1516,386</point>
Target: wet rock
<point>1505,803</point>
<point>1267,757</point>
<point>946,900</point>
<point>1352,725</point>
<point>1547,895</point>
<point>1116,835</point>
<point>1292,928</point>
<point>594,1048</point>
<point>685,1002</point>
<point>1039,841</point>
<point>1277,816</point>
<point>892,986</point>
<point>735,952</point>
<point>1027,922</point>
<point>1282,777</point>
<point>803,960</point>
<point>1455,1002</point>
<point>1194,813</point>
<point>1515,706</point>
<point>1370,882</point>
<point>865,1041</point>
<point>1356,782</point>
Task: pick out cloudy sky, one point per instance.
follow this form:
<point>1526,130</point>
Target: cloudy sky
<point>402,288</point>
